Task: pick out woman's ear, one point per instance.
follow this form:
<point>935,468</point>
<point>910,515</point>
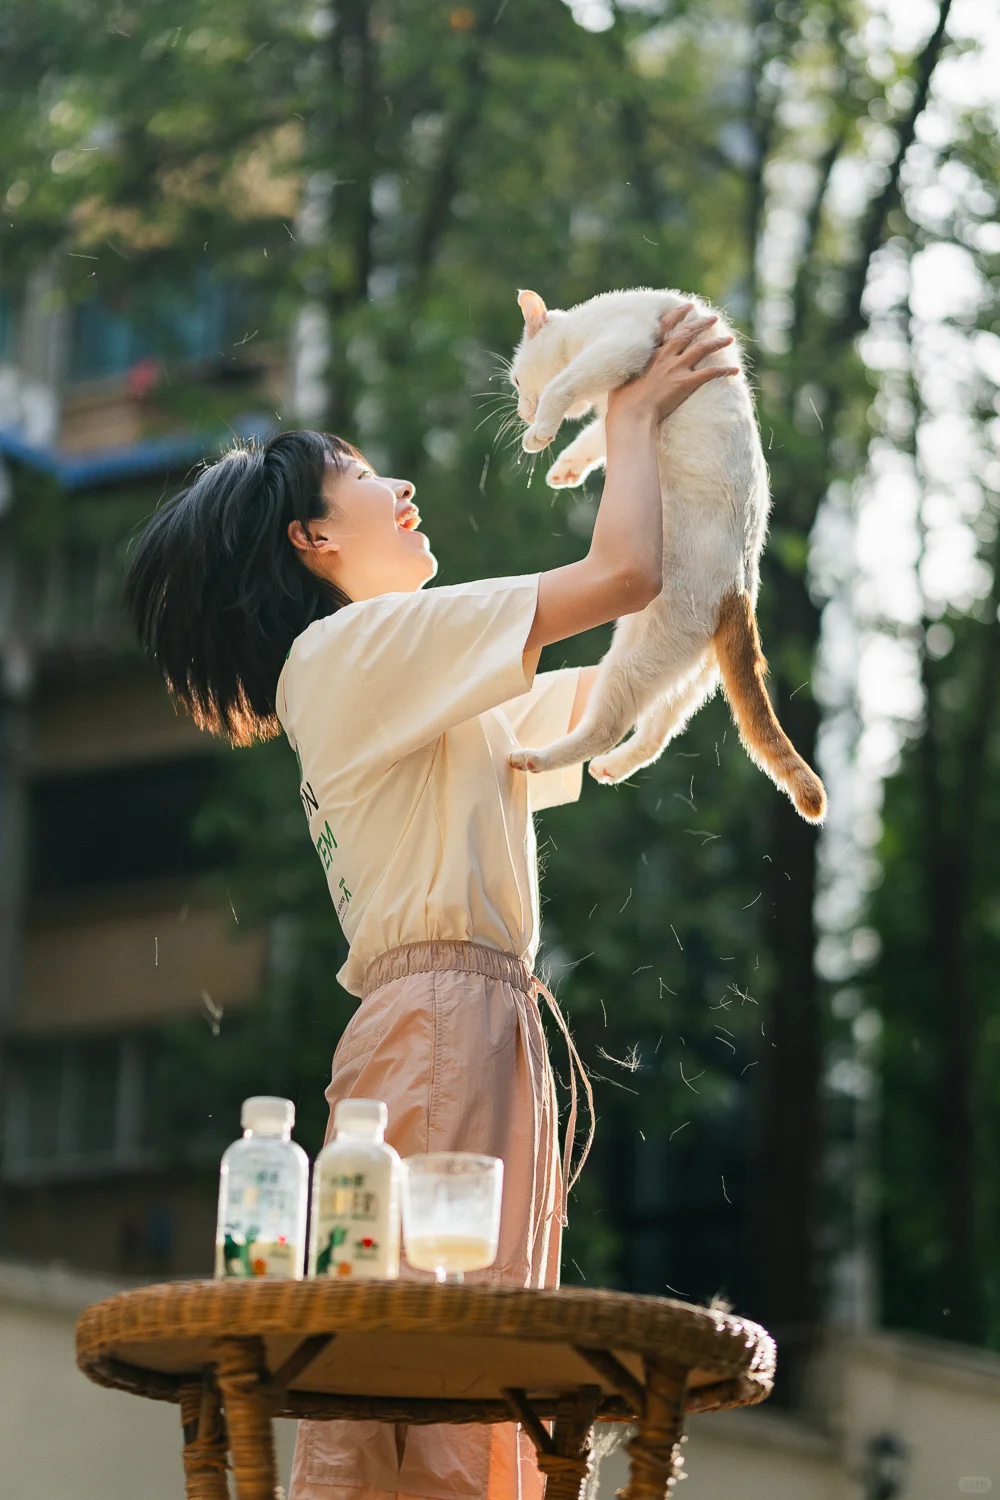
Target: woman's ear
<point>299,537</point>
<point>534,309</point>
<point>308,540</point>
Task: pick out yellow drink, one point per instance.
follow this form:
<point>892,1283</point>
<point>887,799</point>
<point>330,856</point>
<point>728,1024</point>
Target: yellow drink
<point>450,1252</point>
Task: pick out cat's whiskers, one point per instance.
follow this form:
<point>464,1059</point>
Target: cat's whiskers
<point>497,403</point>
<point>508,424</point>
<point>512,426</point>
<point>504,364</point>
<point>493,411</point>
<point>500,398</point>
<point>509,433</point>
<point>506,390</point>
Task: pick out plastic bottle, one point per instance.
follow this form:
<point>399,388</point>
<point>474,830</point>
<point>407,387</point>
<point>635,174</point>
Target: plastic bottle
<point>355,1206</point>
<point>263,1196</point>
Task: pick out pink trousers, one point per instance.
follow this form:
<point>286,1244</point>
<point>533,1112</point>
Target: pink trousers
<point>449,1036</point>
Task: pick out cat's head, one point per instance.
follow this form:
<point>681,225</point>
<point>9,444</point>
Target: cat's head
<point>539,356</point>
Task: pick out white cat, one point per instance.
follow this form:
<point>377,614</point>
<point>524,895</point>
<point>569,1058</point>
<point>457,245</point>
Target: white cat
<point>667,660</point>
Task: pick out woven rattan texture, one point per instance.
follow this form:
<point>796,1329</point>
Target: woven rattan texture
<point>204,1442</point>
<point>740,1355</point>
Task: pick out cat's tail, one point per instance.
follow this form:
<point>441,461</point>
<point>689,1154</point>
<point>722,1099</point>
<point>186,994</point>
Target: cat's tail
<point>743,668</point>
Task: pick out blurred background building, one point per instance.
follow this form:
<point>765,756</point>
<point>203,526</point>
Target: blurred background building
<point>107,931</point>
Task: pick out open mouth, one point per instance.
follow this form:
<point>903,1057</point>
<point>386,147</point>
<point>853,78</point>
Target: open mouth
<point>408,519</point>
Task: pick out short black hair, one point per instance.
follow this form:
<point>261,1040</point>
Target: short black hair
<point>216,591</point>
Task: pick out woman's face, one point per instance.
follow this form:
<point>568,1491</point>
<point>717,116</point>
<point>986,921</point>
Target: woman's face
<point>368,543</point>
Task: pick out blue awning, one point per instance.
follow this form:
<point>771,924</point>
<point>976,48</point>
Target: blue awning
<point>77,471</point>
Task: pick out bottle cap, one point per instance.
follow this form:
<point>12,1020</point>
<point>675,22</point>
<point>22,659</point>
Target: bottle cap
<point>360,1115</point>
<point>266,1113</point>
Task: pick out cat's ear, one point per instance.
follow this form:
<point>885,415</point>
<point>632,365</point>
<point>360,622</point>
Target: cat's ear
<point>534,309</point>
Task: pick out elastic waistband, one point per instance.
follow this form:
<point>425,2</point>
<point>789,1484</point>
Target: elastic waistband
<point>432,957</point>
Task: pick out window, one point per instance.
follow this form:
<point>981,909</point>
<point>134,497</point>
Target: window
<point>128,823</point>
<point>75,1107</point>
<point>200,320</point>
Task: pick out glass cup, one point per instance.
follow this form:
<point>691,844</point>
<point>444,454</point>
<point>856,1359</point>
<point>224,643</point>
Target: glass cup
<point>451,1212</point>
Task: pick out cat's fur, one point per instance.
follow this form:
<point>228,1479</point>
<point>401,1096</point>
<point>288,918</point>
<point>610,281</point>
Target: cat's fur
<point>667,660</point>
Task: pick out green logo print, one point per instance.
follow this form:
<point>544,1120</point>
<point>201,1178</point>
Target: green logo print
<point>325,845</point>
<point>337,1237</point>
<point>237,1257</point>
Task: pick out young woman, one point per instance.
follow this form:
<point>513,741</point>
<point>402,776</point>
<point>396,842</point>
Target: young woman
<point>282,591</point>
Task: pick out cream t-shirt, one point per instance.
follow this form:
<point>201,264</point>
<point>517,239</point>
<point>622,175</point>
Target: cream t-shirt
<point>402,711</point>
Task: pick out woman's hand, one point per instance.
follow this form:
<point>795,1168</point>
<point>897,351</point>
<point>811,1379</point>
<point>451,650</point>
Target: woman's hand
<point>670,376</point>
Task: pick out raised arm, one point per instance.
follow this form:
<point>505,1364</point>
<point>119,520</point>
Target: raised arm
<point>622,571</point>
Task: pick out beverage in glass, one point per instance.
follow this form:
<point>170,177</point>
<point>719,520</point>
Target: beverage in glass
<point>451,1212</point>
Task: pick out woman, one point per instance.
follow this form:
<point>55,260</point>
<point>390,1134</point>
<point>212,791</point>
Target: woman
<point>283,591</point>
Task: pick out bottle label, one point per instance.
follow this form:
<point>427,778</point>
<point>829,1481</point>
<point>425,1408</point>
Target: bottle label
<point>348,1236</point>
<point>260,1205</point>
<point>253,1257</point>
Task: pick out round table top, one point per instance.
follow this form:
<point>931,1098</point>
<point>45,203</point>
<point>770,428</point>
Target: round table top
<point>378,1344</point>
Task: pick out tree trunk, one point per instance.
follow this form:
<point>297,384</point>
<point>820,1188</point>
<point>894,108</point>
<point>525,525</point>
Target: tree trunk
<point>350,126</point>
<point>950,826</point>
<point>947,888</point>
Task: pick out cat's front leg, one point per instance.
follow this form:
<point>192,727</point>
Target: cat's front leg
<point>562,393</point>
<point>595,371</point>
<point>587,450</point>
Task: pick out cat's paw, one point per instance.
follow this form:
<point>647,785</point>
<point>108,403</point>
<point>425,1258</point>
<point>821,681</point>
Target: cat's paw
<point>527,760</point>
<point>566,473</point>
<point>537,437</point>
<point>609,769</point>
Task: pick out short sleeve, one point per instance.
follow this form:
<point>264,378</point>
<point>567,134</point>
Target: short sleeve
<point>425,661</point>
<point>537,718</point>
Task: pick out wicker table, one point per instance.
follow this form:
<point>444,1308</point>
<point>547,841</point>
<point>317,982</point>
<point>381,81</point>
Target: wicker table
<point>236,1354</point>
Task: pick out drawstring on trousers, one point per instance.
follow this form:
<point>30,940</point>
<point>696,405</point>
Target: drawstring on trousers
<point>575,1067</point>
